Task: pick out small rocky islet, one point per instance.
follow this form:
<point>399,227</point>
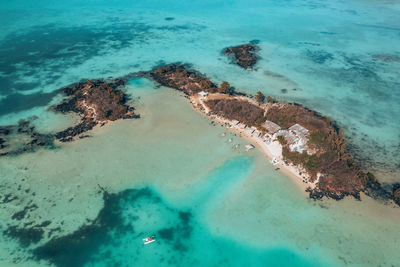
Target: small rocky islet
<point>244,55</point>
<point>96,102</point>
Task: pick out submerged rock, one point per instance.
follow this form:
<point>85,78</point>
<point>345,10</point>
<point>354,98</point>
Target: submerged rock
<point>396,194</point>
<point>25,236</point>
<point>21,138</point>
<point>113,222</point>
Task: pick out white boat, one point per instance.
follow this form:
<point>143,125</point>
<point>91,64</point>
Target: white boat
<point>249,147</point>
<point>149,240</point>
<point>274,161</point>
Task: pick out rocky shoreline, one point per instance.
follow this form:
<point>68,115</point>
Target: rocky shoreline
<point>325,159</point>
<point>96,102</point>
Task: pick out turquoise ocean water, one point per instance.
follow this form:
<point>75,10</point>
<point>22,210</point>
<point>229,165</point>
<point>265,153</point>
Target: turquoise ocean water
<point>170,173</point>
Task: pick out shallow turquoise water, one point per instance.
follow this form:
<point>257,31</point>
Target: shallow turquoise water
<point>182,238</point>
<point>338,57</point>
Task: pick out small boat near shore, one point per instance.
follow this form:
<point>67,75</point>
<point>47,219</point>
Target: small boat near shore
<point>149,240</point>
<point>249,147</point>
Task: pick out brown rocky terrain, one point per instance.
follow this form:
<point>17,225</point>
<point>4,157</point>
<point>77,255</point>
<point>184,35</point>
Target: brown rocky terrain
<point>243,55</point>
<point>337,169</point>
<point>96,102</point>
<point>182,78</point>
<point>234,109</point>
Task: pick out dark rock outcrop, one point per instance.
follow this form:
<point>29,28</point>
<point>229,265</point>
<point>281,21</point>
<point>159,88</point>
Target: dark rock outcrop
<point>181,77</point>
<point>243,55</point>
<point>68,134</point>
<point>318,194</point>
<point>396,194</point>
<point>96,102</point>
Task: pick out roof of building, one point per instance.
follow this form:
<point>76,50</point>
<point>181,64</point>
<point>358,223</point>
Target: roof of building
<point>299,145</point>
<point>289,137</point>
<point>202,93</point>
<point>298,129</point>
<point>271,126</point>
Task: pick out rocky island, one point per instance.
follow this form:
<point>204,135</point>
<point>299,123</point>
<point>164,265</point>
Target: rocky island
<point>96,102</point>
<point>243,55</point>
<point>295,137</point>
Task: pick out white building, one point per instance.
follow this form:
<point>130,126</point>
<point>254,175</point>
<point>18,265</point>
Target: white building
<point>296,137</point>
<point>298,130</point>
<point>271,127</point>
<point>203,95</point>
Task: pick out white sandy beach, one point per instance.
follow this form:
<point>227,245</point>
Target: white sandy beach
<point>272,150</point>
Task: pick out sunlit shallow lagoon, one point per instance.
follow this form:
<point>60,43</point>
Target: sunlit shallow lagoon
<point>170,173</point>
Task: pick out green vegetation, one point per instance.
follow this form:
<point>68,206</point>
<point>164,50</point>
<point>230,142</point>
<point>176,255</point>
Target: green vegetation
<point>259,121</point>
<point>225,88</point>
<point>259,97</point>
<point>312,163</point>
<point>234,109</point>
<point>205,83</point>
<point>337,143</point>
<point>281,140</point>
<point>371,177</point>
<point>271,100</point>
<point>295,157</point>
<point>316,138</point>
